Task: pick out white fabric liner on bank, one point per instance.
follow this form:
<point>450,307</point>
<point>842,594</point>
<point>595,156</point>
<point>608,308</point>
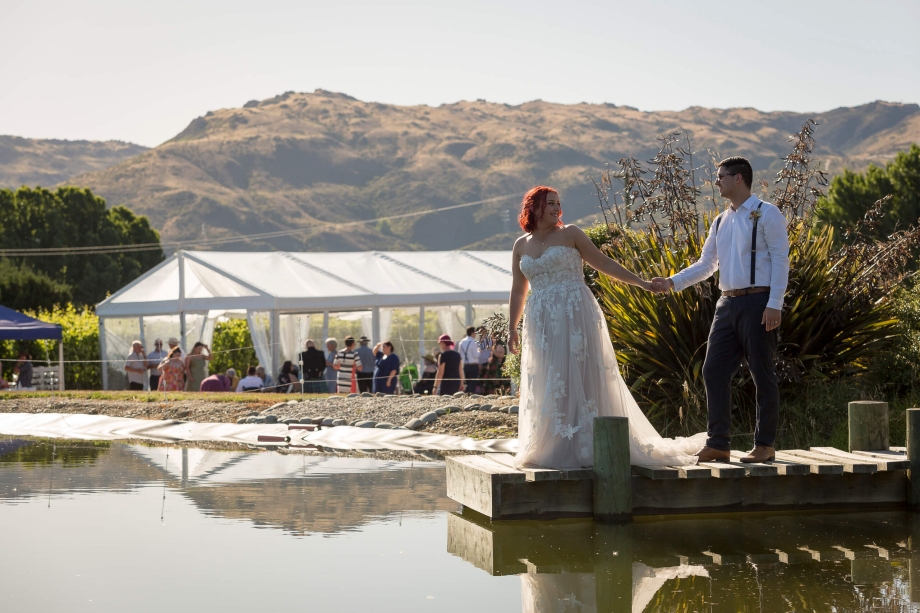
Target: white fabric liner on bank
<point>280,292</point>
<point>102,427</point>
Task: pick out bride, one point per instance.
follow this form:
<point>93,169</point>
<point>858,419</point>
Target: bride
<point>569,372</point>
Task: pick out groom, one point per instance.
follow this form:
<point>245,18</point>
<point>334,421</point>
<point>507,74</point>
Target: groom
<point>752,277</point>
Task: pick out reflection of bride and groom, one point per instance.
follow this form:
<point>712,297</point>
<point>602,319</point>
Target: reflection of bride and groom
<point>569,372</point>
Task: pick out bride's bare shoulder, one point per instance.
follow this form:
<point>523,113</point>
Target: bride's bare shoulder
<point>520,242</point>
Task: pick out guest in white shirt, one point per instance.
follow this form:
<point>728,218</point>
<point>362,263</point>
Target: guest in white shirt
<point>749,246</point>
<point>250,382</point>
<point>469,354</point>
<point>136,366</point>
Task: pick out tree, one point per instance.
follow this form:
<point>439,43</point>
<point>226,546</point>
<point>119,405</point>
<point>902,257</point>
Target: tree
<point>23,288</point>
<point>75,217</point>
<point>851,193</point>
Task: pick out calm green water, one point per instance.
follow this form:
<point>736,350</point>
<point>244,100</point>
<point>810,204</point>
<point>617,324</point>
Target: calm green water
<point>113,527</point>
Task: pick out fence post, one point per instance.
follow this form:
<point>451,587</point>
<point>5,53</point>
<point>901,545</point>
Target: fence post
<point>612,471</point>
<point>868,422</point>
<point>913,454</point>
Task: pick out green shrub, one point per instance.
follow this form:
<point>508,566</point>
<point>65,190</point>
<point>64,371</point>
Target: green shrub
<point>232,346</point>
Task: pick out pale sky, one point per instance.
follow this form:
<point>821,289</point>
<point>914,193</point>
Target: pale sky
<point>141,71</point>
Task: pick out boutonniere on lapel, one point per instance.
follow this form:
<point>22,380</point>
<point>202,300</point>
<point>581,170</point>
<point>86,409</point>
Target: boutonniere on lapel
<point>755,214</point>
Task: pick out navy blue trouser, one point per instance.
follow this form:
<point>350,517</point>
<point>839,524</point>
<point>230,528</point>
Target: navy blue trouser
<point>737,333</point>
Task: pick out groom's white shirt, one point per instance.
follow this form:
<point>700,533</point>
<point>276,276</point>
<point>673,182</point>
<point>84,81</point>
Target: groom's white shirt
<point>729,252</point>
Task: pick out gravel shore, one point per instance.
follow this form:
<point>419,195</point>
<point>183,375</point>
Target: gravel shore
<point>467,415</point>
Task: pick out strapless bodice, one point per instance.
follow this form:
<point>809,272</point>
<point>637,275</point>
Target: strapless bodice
<point>558,266</point>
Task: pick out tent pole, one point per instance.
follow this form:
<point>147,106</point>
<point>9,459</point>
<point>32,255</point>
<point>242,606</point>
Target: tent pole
<point>325,327</point>
<point>276,345</point>
<point>61,364</point>
<point>375,326</point>
<point>140,321</point>
<point>104,364</point>
<point>181,261</point>
<point>421,340</point>
<point>469,314</point>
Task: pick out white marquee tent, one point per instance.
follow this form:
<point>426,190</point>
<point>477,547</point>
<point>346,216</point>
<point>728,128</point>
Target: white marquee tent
<point>278,291</point>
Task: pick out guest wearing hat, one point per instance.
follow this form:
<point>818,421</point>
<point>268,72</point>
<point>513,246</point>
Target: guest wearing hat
<point>449,379</point>
<point>365,374</point>
<point>136,366</point>
<point>173,342</point>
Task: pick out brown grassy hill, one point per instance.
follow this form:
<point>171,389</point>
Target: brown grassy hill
<point>298,160</point>
<point>29,161</point>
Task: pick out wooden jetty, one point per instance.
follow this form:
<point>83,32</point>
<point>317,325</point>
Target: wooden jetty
<point>815,478</point>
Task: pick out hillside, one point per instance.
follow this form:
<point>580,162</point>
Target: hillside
<point>29,161</point>
<point>297,160</point>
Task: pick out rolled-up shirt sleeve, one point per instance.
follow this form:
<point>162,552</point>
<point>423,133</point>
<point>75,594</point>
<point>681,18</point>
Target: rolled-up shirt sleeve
<point>777,239</point>
<point>703,268</point>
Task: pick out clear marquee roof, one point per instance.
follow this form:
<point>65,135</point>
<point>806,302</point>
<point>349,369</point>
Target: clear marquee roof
<point>313,282</point>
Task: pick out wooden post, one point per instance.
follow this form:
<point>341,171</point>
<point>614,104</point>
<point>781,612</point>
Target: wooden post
<point>612,471</point>
<point>913,454</point>
<point>868,421</point>
<point>913,544</point>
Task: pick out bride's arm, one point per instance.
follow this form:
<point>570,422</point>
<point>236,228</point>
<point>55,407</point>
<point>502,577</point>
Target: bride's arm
<point>601,263</point>
<point>519,287</point>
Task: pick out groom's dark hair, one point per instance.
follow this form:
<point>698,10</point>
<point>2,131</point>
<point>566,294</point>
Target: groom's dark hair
<point>738,165</point>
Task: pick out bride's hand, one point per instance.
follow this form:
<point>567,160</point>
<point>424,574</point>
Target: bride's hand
<point>513,342</point>
<point>646,285</point>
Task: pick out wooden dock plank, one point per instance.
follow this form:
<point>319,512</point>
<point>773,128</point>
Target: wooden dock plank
<point>694,472</point>
<point>793,557</point>
<point>849,465</point>
<point>818,467</point>
<point>893,460</point>
<point>725,470</point>
<point>880,464</point>
<point>755,469</point>
<point>656,472</point>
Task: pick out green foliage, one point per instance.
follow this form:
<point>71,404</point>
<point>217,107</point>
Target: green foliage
<point>232,347</point>
<point>81,343</point>
<point>73,217</point>
<point>898,371</point>
<point>851,192</point>
<point>23,288</point>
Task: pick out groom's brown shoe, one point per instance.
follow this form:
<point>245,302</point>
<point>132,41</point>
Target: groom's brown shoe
<point>711,454</point>
<point>760,454</point>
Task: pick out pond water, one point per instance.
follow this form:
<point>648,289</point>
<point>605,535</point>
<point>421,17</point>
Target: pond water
<point>116,527</point>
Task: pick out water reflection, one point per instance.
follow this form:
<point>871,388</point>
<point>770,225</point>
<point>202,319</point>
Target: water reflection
<point>796,562</point>
<point>183,519</point>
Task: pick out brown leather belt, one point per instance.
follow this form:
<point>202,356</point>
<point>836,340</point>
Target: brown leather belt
<point>734,293</point>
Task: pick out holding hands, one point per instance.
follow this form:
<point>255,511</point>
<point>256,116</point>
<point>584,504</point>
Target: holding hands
<point>661,285</point>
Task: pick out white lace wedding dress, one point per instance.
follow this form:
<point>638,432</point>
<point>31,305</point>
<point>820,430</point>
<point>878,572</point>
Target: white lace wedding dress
<point>569,375</point>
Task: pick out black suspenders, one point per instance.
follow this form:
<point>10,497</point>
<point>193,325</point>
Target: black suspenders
<point>753,239</point>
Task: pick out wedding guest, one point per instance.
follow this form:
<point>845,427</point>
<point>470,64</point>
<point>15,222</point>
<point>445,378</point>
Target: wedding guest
<point>493,379</point>
<point>234,380</point>
<point>425,385</point>
<point>173,369</point>
<point>251,382</point>
<point>449,379</point>
<point>368,364</point>
<point>196,365</point>
<point>346,363</point>
<point>215,383</point>
<point>267,382</point>
<point>288,378</point>
<point>331,374</point>
<point>136,366</point>
<point>23,368</point>
<point>174,342</point>
<point>153,363</point>
<point>469,353</point>
<point>313,365</point>
<point>386,367</point>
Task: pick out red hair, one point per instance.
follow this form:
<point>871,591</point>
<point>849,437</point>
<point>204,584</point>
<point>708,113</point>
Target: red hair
<point>532,207</point>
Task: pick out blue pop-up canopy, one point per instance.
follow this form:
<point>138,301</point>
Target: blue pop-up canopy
<point>18,327</point>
